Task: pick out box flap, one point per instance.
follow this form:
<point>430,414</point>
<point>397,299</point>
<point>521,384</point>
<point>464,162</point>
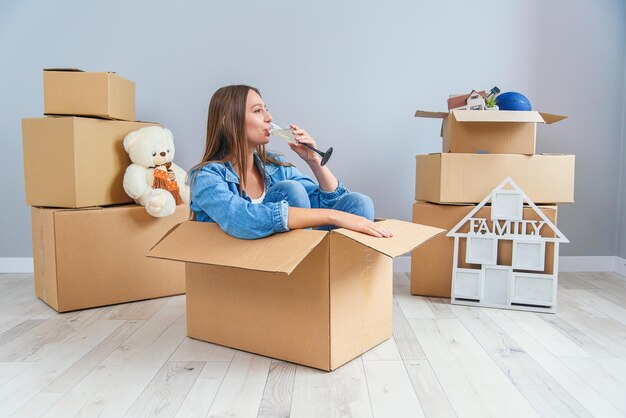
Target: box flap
<point>206,243</point>
<point>431,115</point>
<point>64,69</point>
<point>76,70</point>
<point>57,209</point>
<point>406,236</point>
<point>497,116</point>
<point>549,118</point>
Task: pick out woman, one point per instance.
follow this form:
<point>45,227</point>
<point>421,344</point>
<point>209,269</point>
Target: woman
<point>251,193</point>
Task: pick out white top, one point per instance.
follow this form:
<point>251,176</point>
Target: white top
<point>258,200</point>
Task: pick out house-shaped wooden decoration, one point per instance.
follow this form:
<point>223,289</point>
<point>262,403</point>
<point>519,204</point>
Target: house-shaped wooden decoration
<point>523,285</point>
<point>473,101</point>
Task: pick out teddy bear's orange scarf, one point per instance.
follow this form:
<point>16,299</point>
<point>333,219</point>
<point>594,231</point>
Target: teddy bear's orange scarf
<point>166,179</point>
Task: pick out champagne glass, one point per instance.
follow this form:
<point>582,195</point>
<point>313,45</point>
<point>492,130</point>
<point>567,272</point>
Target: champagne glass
<point>288,136</point>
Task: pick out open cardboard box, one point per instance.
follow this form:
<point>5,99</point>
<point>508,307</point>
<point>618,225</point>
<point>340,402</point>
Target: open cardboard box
<point>70,91</point>
<point>85,258</point>
<point>431,263</point>
<point>468,178</point>
<point>73,162</point>
<point>306,296</point>
<point>490,131</point>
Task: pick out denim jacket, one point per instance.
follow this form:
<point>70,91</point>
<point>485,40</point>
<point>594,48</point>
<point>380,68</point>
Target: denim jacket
<point>215,198</point>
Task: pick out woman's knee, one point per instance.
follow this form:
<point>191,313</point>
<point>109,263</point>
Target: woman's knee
<point>293,192</point>
<point>357,204</point>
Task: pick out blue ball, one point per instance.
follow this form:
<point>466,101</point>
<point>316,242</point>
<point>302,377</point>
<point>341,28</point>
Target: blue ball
<point>513,101</point>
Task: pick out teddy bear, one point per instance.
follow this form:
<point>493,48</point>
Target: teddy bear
<point>152,179</point>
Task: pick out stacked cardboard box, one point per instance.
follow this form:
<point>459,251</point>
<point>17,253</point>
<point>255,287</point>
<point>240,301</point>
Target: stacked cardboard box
<point>89,238</point>
<point>480,149</point>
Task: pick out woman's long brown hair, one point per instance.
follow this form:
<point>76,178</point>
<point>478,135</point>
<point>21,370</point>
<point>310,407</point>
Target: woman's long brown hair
<point>226,133</point>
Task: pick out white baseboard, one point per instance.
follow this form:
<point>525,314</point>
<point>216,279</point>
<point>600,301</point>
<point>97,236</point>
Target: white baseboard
<point>16,265</point>
<point>573,264</point>
<point>620,265</point>
<point>567,264</point>
<point>403,264</point>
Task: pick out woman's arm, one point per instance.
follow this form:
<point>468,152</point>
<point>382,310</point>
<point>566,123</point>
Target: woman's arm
<point>318,197</point>
<point>306,218</point>
<point>326,179</point>
<point>210,192</point>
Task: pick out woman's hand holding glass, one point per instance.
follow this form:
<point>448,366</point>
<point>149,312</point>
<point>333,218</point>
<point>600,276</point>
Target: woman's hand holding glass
<point>301,136</point>
<point>299,140</point>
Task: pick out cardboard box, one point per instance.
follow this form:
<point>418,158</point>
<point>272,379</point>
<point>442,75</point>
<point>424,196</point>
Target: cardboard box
<point>75,162</point>
<point>431,263</point>
<point>70,91</point>
<point>310,297</point>
<point>490,131</point>
<point>93,257</point>
<point>468,178</point>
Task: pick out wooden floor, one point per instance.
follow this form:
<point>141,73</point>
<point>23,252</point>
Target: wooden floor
<point>442,361</point>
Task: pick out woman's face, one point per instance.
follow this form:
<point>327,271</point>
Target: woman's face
<point>257,120</point>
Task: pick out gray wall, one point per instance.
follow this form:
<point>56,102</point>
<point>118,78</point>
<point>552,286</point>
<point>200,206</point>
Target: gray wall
<point>580,51</point>
<point>351,73</point>
<point>621,249</point>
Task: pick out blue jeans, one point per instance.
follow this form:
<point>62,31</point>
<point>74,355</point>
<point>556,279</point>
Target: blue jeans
<point>296,195</point>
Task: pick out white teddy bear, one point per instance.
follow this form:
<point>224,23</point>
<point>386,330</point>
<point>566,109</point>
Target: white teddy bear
<point>153,180</point>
